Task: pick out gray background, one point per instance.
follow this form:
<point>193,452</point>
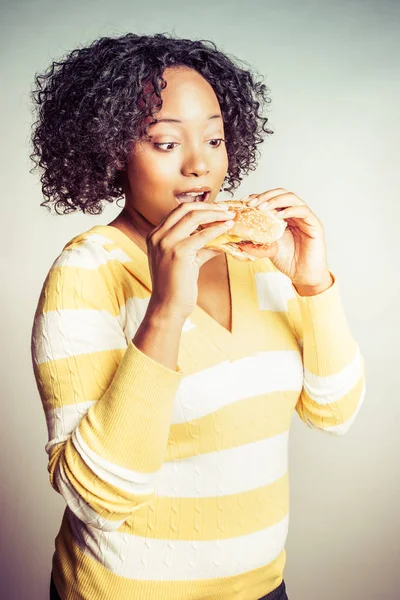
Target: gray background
<point>333,71</point>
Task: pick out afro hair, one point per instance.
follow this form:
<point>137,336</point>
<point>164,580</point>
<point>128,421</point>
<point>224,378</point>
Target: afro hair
<point>91,108</point>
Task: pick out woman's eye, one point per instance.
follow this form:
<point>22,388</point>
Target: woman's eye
<point>220,140</point>
<point>161,144</point>
<point>165,144</point>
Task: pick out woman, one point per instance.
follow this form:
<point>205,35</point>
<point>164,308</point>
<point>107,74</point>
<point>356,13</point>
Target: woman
<point>169,372</point>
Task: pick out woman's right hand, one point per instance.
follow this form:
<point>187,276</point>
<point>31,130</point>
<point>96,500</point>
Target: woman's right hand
<point>176,253</point>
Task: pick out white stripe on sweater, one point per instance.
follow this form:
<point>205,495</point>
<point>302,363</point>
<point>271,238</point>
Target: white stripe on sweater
<point>342,428</point>
<point>326,390</point>
<point>229,471</point>
<point>165,559</point>
<point>64,333</point>
<point>274,289</point>
<point>211,389</point>
<point>79,506</point>
<point>131,481</point>
<point>233,470</point>
<point>88,255</point>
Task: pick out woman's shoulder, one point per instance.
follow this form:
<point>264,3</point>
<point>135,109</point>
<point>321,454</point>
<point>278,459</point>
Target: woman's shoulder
<point>88,272</point>
<point>91,249</point>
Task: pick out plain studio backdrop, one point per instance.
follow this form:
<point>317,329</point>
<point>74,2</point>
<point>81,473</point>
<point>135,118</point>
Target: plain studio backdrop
<point>333,72</point>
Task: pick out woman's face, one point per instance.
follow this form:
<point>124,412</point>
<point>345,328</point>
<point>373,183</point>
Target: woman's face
<point>180,155</point>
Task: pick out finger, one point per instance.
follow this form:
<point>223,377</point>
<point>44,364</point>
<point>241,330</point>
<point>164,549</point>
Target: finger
<point>206,254</point>
<point>267,196</point>
<point>306,218</point>
<point>189,223</point>
<point>248,199</point>
<point>176,215</point>
<point>198,240</point>
<point>281,200</point>
<point>270,195</point>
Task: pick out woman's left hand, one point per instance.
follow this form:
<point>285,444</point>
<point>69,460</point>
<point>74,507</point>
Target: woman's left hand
<point>301,252</point>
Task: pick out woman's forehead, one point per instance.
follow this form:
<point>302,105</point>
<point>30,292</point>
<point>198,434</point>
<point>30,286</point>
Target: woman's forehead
<point>187,97</point>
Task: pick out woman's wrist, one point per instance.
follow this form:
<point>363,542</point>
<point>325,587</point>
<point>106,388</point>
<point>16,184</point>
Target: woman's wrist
<point>163,317</point>
<point>305,290</point>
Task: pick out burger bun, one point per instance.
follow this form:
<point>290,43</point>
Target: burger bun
<point>252,228</point>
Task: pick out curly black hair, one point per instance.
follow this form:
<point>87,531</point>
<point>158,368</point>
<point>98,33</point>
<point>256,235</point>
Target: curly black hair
<point>92,105</point>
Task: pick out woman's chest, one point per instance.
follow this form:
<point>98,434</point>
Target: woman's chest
<point>214,295</point>
<point>216,302</point>
<point>240,312</point>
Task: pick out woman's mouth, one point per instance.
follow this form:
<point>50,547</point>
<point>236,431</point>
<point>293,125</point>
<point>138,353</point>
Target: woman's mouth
<point>193,197</point>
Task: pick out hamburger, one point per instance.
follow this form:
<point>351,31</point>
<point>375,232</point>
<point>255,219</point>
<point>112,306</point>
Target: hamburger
<point>251,227</point>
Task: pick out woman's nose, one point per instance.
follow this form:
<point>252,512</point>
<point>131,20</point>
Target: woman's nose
<point>196,164</point>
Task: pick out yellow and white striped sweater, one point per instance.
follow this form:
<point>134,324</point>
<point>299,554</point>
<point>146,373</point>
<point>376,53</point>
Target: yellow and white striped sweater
<point>176,482</point>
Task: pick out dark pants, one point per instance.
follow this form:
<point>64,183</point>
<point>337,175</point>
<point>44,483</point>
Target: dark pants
<point>54,595</point>
<point>278,594</point>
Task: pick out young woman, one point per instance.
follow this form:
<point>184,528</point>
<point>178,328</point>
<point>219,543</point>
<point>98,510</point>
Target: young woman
<point>169,372</point>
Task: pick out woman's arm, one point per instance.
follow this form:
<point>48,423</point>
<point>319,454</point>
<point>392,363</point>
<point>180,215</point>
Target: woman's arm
<point>107,402</point>
<point>159,336</point>
<point>334,370</point>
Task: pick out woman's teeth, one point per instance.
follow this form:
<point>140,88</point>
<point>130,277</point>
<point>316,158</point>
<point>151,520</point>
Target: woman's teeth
<point>191,197</point>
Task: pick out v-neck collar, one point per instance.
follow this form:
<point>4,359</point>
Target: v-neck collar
<point>241,286</point>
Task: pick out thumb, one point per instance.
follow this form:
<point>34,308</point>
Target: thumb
<point>206,254</point>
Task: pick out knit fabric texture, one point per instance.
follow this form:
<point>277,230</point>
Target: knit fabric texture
<point>176,482</point>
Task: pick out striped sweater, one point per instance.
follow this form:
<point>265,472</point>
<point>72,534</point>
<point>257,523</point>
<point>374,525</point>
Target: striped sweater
<point>176,482</point>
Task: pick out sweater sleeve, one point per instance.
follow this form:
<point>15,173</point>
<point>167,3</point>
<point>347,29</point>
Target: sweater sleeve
<point>334,371</point>
<point>107,404</point>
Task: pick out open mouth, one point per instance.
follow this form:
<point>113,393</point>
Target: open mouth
<point>193,197</point>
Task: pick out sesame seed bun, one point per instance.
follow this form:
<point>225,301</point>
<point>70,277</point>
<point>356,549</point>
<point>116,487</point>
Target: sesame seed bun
<point>251,226</point>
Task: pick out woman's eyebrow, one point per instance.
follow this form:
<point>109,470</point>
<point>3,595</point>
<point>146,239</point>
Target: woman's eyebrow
<point>178,121</point>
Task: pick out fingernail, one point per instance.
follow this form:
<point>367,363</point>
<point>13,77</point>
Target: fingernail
<point>253,202</point>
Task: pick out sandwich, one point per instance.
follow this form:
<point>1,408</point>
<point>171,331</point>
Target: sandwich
<point>252,227</point>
